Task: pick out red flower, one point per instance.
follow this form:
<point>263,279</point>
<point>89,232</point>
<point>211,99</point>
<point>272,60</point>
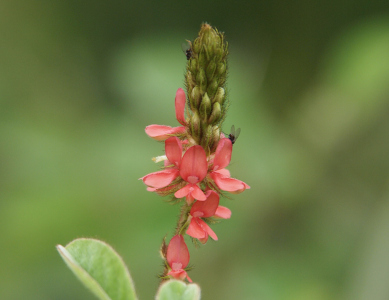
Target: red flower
<point>221,176</point>
<point>177,256</point>
<point>162,132</point>
<point>161,179</point>
<point>193,169</point>
<point>205,209</point>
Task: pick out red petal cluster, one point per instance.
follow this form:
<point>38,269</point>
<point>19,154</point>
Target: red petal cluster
<point>206,209</point>
<point>191,174</point>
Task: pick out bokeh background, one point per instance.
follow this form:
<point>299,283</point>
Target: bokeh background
<point>309,86</point>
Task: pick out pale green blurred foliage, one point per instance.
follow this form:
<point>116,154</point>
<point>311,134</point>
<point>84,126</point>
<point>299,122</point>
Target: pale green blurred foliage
<point>80,81</point>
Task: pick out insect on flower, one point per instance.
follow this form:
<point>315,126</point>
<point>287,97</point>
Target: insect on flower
<point>233,136</point>
<point>187,49</point>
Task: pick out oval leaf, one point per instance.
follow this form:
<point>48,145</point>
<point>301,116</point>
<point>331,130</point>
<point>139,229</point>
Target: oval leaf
<point>99,268</point>
<point>178,290</point>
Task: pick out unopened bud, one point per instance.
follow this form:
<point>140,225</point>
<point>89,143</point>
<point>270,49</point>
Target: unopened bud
<point>197,46</point>
<point>216,113</point>
<point>193,65</point>
<point>220,96</point>
<point>216,133</point>
<point>212,88</point>
<point>205,107</point>
<point>215,138</point>
<point>207,138</point>
<point>195,98</point>
<point>195,126</point>
<point>189,79</point>
<point>211,69</point>
<point>202,59</point>
<point>201,80</point>
<point>221,68</point>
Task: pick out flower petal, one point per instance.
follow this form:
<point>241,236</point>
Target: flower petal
<point>162,132</point>
<point>228,184</point>
<point>194,165</point>
<point>223,212</point>
<point>180,106</point>
<point>183,192</point>
<point>177,252</point>
<point>197,193</point>
<point>208,207</point>
<point>173,150</point>
<point>207,229</point>
<point>160,179</point>
<point>224,172</point>
<point>195,230</point>
<point>222,154</point>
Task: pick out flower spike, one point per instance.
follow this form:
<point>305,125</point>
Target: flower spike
<point>197,152</point>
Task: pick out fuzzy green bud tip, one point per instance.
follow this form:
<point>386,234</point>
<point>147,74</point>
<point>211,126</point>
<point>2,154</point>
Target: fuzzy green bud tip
<point>205,79</point>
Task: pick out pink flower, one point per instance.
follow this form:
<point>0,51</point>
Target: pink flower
<point>162,132</point>
<point>193,169</point>
<point>219,174</point>
<point>161,179</point>
<point>177,256</point>
<point>205,209</point>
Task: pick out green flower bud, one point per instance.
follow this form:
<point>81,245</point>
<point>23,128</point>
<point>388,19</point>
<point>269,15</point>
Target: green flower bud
<point>221,68</point>
<point>212,88</point>
<point>220,96</point>
<point>193,65</point>
<point>189,80</point>
<point>207,138</point>
<point>216,133</point>
<point>195,98</point>
<point>196,46</point>
<point>205,107</point>
<point>201,80</point>
<point>215,138</point>
<point>216,113</point>
<point>195,126</point>
<point>202,59</point>
<point>211,69</point>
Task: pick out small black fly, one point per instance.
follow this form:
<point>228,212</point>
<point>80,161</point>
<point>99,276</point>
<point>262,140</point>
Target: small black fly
<point>187,49</point>
<point>233,136</point>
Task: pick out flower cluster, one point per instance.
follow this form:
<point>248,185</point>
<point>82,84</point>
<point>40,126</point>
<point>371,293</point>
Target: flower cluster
<point>185,174</point>
<point>199,178</point>
<point>196,152</point>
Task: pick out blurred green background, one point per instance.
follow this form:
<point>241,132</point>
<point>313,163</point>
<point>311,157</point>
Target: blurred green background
<point>309,86</point>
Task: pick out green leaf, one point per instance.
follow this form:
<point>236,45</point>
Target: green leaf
<point>178,290</point>
<point>99,268</point>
